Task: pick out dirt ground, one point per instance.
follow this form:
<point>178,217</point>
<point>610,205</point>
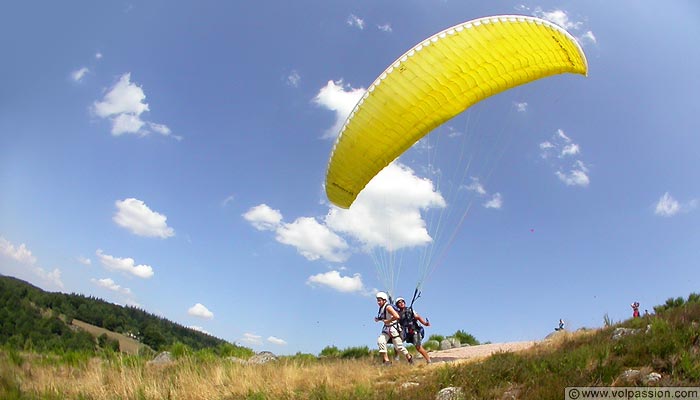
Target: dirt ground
<point>471,353</point>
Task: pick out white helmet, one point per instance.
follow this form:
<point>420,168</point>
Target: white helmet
<point>382,295</point>
<point>400,299</point>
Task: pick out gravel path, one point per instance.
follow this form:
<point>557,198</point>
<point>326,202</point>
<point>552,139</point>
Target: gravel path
<point>477,352</point>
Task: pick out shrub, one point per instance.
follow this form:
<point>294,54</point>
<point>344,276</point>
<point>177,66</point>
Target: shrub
<point>330,351</point>
<point>15,357</point>
<point>78,359</point>
<point>438,338</point>
<point>355,352</point>
<point>179,350</point>
<point>231,350</point>
<point>431,345</point>
<point>106,343</point>
<point>206,355</point>
<point>465,338</point>
<point>304,358</point>
<point>694,298</point>
<point>670,304</point>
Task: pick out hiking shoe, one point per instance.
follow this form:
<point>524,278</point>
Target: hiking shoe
<point>410,360</point>
<point>387,363</point>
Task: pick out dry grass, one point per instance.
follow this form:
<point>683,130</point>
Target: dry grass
<point>189,378</point>
<point>668,344</point>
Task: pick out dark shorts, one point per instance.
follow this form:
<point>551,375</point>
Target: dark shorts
<point>414,338</point>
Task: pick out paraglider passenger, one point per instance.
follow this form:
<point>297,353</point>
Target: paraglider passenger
<point>413,332</point>
<point>391,329</point>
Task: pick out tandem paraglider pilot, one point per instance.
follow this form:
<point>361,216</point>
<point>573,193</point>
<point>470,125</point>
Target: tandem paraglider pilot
<point>412,331</point>
<point>391,331</point>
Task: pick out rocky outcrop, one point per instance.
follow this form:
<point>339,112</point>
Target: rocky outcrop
<point>450,343</point>
<point>162,358</point>
<point>619,333</point>
<point>636,377</point>
<point>450,393</point>
<point>263,357</point>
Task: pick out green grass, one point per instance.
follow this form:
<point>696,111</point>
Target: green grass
<point>669,346</point>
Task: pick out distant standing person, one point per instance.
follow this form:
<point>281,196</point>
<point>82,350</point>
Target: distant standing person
<point>413,332</point>
<point>561,325</point>
<point>391,330</point>
<point>635,309</point>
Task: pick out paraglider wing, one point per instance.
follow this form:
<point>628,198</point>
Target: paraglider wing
<point>438,79</point>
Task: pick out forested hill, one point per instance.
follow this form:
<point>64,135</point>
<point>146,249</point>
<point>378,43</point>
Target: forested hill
<point>32,318</point>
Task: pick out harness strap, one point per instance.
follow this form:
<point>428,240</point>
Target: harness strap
<point>397,328</point>
<point>387,328</point>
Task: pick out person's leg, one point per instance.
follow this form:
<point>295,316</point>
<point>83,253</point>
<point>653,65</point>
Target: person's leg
<point>418,342</point>
<point>398,344</point>
<point>424,353</point>
<point>381,342</point>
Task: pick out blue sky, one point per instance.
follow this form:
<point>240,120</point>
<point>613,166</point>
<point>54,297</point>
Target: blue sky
<point>171,155</point>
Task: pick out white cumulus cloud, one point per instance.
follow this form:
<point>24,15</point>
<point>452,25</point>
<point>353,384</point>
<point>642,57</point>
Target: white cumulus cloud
<point>109,284</point>
<point>667,206</point>
<point>263,218</point>
<point>496,201</point>
<point>294,79</point>
<point>521,107</point>
<point>384,27</point>
<point>124,265</point>
<point>559,17</point>
<point>84,260</point>
<point>79,74</point>
<point>588,36</point>
<point>338,98</point>
<point>559,150</point>
<point>27,264</point>
<point>335,281</point>
<point>53,277</point>
<point>476,186</point>
<point>251,339</point>
<point>134,215</point>
<point>576,176</point>
<point>18,253</point>
<point>387,213</point>
<point>356,22</point>
<point>563,19</point>
<point>277,341</point>
<point>313,240</point>
<point>570,150</point>
<point>124,104</point>
<point>200,311</point>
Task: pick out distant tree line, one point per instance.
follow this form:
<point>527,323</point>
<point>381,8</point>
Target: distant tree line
<point>33,319</point>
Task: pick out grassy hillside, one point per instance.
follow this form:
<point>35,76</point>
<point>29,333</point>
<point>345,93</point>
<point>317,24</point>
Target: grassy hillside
<point>33,319</point>
<point>126,344</point>
<point>667,344</point>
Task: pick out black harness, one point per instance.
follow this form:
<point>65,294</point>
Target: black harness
<point>410,324</point>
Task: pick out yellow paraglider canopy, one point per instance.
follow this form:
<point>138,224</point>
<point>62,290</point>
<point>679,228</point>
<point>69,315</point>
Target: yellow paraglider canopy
<point>438,79</point>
